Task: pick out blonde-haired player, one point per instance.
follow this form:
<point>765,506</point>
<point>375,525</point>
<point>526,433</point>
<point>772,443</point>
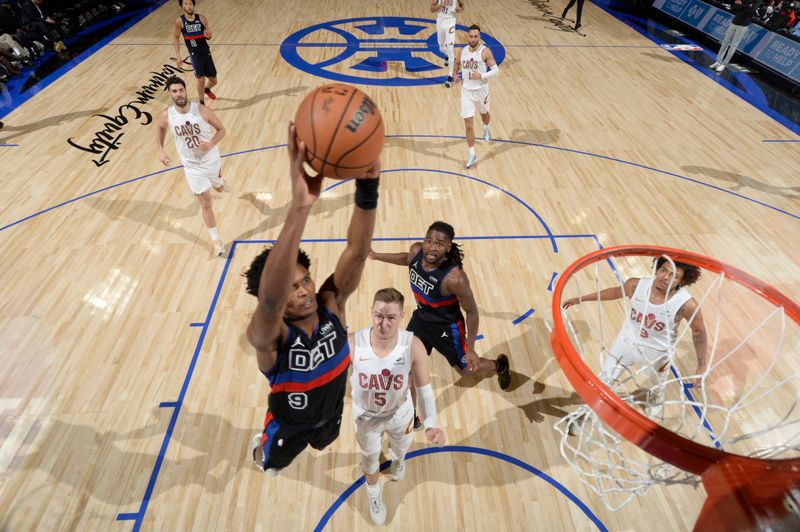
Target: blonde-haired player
<point>477,65</point>
<point>383,360</point>
<point>446,31</point>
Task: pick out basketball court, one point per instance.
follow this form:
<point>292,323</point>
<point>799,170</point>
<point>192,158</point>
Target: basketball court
<point>128,391</point>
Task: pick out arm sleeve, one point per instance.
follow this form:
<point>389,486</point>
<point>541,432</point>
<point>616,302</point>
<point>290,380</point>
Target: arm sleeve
<point>427,406</point>
<point>492,72</point>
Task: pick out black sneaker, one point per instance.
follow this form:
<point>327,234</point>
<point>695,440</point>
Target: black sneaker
<point>449,82</point>
<point>503,372</point>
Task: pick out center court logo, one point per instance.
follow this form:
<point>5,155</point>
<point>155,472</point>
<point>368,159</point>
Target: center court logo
<point>390,51</point>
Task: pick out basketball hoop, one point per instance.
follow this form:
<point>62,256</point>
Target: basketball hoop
<point>754,488</point>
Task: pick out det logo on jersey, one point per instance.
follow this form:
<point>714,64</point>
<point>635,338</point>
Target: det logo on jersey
<point>416,280</point>
<point>390,51</point>
<point>305,360</point>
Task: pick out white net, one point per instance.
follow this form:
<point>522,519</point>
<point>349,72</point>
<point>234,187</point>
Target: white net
<point>728,376</point>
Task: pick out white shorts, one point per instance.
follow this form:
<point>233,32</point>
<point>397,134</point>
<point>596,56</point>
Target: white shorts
<point>399,427</point>
<point>470,99</point>
<point>202,177</point>
<point>627,351</point>
<point>446,34</point>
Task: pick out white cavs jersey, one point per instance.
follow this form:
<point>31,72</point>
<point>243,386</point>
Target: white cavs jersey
<point>472,62</point>
<point>380,385</point>
<point>653,326</point>
<point>446,16</point>
<point>189,130</point>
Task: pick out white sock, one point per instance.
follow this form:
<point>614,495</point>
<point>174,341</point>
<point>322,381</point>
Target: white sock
<point>472,151</point>
<point>213,232</point>
<point>373,490</point>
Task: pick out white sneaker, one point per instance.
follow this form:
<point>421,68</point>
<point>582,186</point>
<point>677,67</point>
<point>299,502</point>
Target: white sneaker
<point>487,137</point>
<point>397,470</point>
<point>219,248</point>
<point>271,472</point>
<point>472,160</point>
<point>720,67</point>
<point>714,65</point>
<point>377,510</point>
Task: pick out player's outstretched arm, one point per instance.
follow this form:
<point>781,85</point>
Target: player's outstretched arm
<point>278,274</point>
<point>400,259</point>
<point>351,262</point>
<point>608,294</point>
<point>422,379</point>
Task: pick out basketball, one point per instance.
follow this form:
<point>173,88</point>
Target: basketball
<point>342,129</point>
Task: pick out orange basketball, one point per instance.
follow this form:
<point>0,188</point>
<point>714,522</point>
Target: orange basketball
<point>343,130</point>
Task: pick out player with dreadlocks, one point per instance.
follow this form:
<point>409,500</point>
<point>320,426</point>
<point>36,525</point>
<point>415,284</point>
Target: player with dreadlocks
<point>441,288</point>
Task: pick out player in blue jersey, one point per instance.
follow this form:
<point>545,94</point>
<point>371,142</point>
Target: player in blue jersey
<point>299,332</point>
<point>441,288</point>
<point>196,32</point>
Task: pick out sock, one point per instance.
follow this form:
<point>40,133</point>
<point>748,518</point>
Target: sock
<point>373,490</point>
<point>472,151</point>
<point>213,232</point>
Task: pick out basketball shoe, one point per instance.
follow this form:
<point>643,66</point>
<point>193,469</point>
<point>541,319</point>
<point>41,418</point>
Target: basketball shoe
<point>449,82</point>
<point>397,470</point>
<point>210,94</point>
<point>271,472</point>
<point>503,372</point>
<point>472,160</point>
<point>487,136</point>
<point>377,510</point>
<point>219,248</point>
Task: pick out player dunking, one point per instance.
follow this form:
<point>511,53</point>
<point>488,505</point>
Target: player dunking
<point>649,334</point>
<point>441,288</point>
<point>385,357</point>
<point>477,65</point>
<point>191,124</point>
<point>300,333</point>
<point>446,31</point>
<point>196,32</point>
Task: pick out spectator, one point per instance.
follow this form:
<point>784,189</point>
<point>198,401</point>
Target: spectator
<point>743,10</point>
<point>34,19</point>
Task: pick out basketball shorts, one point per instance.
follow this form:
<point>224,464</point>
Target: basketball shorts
<point>282,444</point>
<point>203,66</point>
<point>471,99</point>
<point>627,355</point>
<point>450,339</point>
<point>446,34</point>
<point>399,428</point>
<point>202,177</point>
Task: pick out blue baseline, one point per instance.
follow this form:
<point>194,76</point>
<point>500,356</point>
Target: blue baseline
<point>523,317</point>
<point>519,142</point>
<point>781,140</point>
<point>472,450</point>
<point>197,324</point>
<point>18,99</point>
<point>8,145</point>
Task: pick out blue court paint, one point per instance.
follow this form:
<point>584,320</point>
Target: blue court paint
<point>8,145</point>
<point>781,140</point>
<point>369,44</point>
<point>553,277</point>
<point>167,404</point>
<point>139,516</point>
<point>197,324</point>
<point>479,337</point>
<point>470,450</point>
<point>519,320</point>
